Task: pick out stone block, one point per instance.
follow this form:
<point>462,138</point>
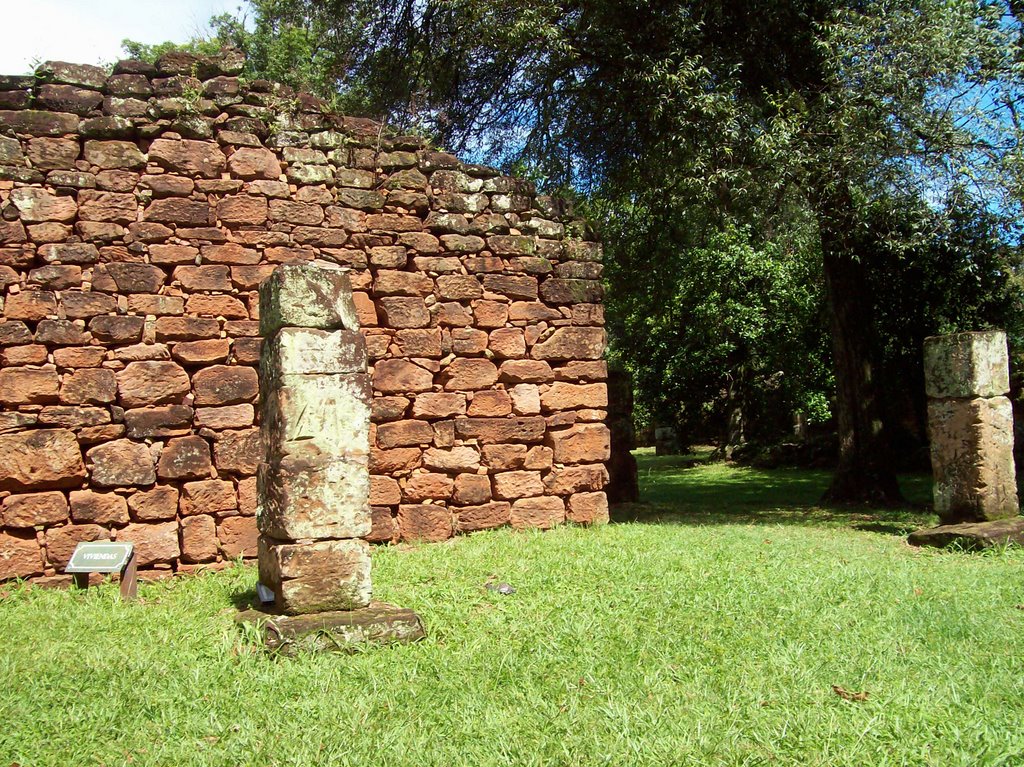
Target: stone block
<point>402,312</point>
<point>20,555</point>
<point>307,296</point>
<point>575,479</point>
<point>61,541</point>
<point>90,386</point>
<point>426,487</point>
<point>254,163</point>
<point>209,496</point>
<point>569,396</point>
<point>238,537</point>
<point>490,403</point>
<point>463,458</point>
<point>525,371</point>
<point>114,154</point>
<point>28,386</point>
<point>401,376</point>
<point>98,508</point>
<point>316,577</point>
<point>464,374</point>
<point>185,458</point>
<point>30,305</point>
<point>225,384</point>
<point>496,430</point>
<point>385,526</point>
<point>152,383</point>
<point>404,434</point>
<point>225,417</point>
<point>160,503</point>
<point>36,205</point>
<point>162,421</point>
<point>424,522</point>
<point>155,543</point>
<point>483,517</point>
<point>543,513</point>
<point>972,536</point>
<point>571,344</point>
<point>190,158</point>
<point>238,452</point>
<point>581,443</point>
<point>42,459</point>
<point>588,508</point>
<point>301,498</point>
<point>312,415</point>
<point>337,630</point>
<point>308,351</point>
<point>384,491</point>
<point>34,509</point>
<point>510,485</point>
<point>972,459</point>
<point>967,365</point>
<point>419,342</point>
<point>393,461</point>
<point>504,457</point>
<point>199,539</point>
<point>121,463</point>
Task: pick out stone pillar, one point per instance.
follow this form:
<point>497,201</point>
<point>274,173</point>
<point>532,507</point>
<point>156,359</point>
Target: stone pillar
<point>314,483</point>
<point>970,421</point>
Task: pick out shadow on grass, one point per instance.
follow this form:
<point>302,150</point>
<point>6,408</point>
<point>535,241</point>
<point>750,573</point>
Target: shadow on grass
<point>244,599</point>
<point>688,490</point>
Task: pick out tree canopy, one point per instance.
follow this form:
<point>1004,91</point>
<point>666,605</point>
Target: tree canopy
<point>764,173</point>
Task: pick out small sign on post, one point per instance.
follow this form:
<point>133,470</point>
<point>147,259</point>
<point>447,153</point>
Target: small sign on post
<point>105,557</point>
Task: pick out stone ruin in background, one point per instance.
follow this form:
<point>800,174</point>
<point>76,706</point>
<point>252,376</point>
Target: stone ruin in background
<point>139,213</point>
<point>970,421</point>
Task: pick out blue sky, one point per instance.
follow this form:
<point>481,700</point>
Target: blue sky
<point>90,31</point>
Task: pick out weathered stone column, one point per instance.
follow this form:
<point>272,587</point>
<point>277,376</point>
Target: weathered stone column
<point>970,421</point>
<point>313,484</point>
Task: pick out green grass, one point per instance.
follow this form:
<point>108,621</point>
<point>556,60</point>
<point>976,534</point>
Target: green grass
<point>707,632</point>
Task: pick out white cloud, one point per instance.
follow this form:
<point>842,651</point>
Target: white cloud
<point>91,31</point>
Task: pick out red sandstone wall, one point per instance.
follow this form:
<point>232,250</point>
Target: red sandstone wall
<point>139,213</point>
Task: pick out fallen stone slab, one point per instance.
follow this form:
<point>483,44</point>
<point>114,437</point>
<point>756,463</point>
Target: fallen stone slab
<point>340,630</point>
<point>972,535</point>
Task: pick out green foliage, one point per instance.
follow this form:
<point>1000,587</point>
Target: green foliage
<point>724,329</point>
<point>736,141</point>
<point>225,30</point>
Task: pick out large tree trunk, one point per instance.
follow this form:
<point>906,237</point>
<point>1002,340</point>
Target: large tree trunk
<point>864,473</point>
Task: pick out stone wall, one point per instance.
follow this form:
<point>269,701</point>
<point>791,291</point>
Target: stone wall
<point>141,210</point>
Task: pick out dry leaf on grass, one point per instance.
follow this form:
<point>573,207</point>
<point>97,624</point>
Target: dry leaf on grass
<point>845,694</point>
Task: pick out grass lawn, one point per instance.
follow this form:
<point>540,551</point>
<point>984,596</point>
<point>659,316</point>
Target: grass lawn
<point>709,629</point>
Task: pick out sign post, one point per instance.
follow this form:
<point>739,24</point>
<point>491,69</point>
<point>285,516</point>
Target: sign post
<point>105,557</point>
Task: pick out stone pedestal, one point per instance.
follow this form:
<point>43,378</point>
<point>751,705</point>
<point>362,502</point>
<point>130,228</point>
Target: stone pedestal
<point>342,630</point>
<point>970,421</point>
<point>313,484</point>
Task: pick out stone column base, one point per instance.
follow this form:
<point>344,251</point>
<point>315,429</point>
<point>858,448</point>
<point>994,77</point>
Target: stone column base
<point>972,535</point>
<point>341,630</point>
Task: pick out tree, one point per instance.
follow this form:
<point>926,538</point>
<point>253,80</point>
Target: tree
<point>729,338</point>
<point>758,113</point>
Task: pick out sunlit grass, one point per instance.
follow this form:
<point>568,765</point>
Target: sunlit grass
<point>688,489</point>
<point>708,632</point>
